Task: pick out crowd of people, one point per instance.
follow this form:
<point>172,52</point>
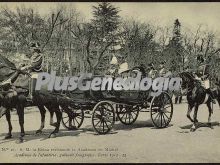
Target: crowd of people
<point>202,73</point>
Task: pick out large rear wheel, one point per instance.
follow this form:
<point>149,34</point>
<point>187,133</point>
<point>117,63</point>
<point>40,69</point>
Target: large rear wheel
<point>161,110</point>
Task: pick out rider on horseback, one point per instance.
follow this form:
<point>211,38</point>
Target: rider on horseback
<point>34,66</point>
<point>203,75</point>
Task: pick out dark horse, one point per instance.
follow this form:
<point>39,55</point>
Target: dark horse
<point>196,95</point>
<point>41,99</point>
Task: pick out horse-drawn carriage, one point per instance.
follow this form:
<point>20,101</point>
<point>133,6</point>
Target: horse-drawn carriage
<point>109,106</point>
<point>106,106</point>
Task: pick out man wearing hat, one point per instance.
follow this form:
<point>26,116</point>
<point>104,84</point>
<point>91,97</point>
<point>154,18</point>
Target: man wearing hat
<point>123,65</point>
<point>202,74</point>
<point>35,65</point>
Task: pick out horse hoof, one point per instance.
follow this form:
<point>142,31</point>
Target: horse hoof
<point>52,135</point>
<point>192,129</point>
<point>8,136</point>
<point>39,132</point>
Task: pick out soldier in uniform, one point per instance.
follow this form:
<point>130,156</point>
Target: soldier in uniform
<point>203,74</point>
<point>35,65</point>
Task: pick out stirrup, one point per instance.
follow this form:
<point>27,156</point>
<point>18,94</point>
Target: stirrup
<point>29,98</point>
<point>2,111</point>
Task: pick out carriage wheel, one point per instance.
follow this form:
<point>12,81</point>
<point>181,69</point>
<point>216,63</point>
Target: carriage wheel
<point>161,110</point>
<point>103,117</point>
<point>127,114</point>
<point>72,118</point>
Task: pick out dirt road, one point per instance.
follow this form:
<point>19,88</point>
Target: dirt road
<point>140,142</point>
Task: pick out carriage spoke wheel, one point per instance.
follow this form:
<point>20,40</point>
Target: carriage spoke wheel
<point>127,114</point>
<point>161,110</point>
<point>72,118</point>
<point>103,117</point>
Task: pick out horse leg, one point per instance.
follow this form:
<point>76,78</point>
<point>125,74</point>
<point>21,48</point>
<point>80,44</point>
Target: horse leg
<point>51,110</point>
<point>42,112</point>
<point>8,118</point>
<point>176,99</point>
<point>188,112</point>
<point>210,114</point>
<point>180,99</point>
<point>218,100</point>
<point>57,124</point>
<point>195,123</point>
<point>51,118</point>
<point>68,111</point>
<point>20,112</point>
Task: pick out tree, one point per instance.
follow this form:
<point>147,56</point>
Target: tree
<point>175,50</point>
<point>106,19</point>
<point>139,42</point>
<point>97,36</point>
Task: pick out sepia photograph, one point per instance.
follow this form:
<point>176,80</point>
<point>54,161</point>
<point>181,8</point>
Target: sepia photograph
<point>109,82</point>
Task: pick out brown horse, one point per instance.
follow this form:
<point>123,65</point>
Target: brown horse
<point>41,99</point>
<point>196,95</point>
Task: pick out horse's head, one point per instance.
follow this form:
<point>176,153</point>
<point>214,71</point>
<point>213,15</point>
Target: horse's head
<point>188,79</point>
<point>7,68</point>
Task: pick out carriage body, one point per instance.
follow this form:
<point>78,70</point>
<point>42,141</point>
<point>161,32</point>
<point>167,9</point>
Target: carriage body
<point>109,106</point>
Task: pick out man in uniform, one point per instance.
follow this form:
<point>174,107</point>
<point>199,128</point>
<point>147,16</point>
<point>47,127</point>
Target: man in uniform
<point>35,65</point>
<point>203,75</point>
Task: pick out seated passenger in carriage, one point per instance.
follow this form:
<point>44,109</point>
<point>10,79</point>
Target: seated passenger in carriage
<point>202,74</point>
<point>152,71</point>
<point>123,66</point>
<point>163,72</point>
<point>113,66</point>
<point>162,69</point>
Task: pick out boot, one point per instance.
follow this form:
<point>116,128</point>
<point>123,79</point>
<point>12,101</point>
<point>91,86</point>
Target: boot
<point>2,111</point>
<point>31,90</point>
<point>211,95</point>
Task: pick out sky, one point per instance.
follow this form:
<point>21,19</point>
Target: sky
<point>190,14</point>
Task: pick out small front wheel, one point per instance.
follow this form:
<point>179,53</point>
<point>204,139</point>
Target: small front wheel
<point>72,118</point>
